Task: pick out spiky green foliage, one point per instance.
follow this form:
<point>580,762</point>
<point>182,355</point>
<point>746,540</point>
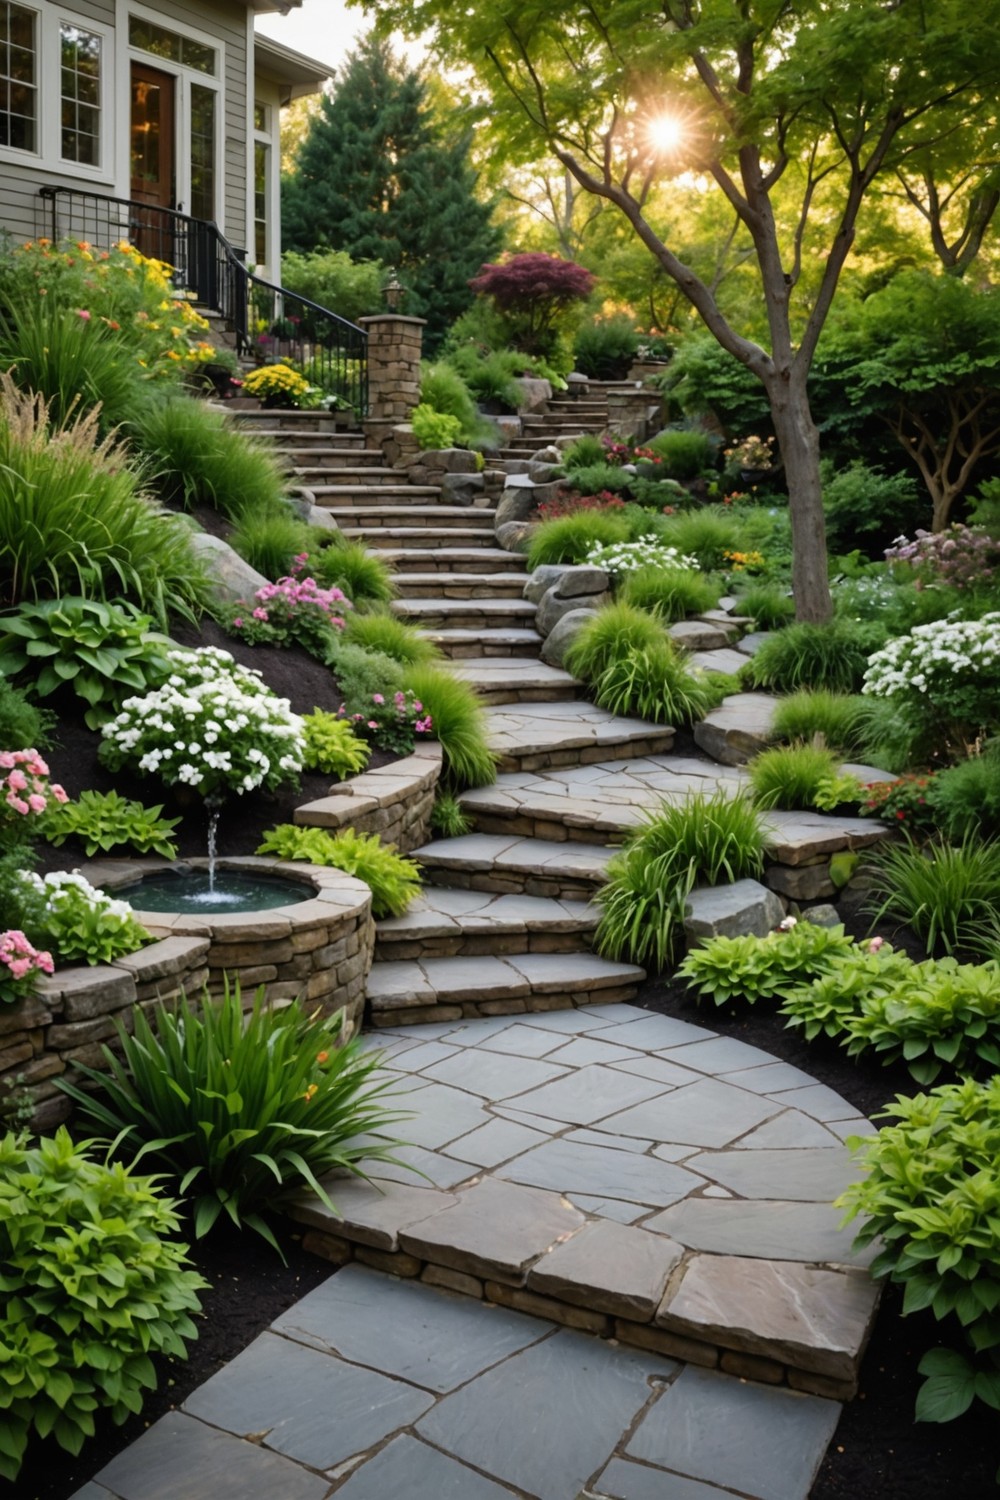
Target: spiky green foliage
<point>706,534</point>
<point>615,631</point>
<point>359,573</point>
<point>768,607</point>
<point>195,456</point>
<point>654,683</point>
<point>393,879</point>
<point>382,632</point>
<point>23,726</point>
<point>568,539</point>
<point>270,537</point>
<point>458,723</point>
<point>685,452</point>
<point>792,776</point>
<point>949,894</point>
<point>670,593</point>
<point>705,840</point>
<point>966,797</point>
<point>245,1110</point>
<point>72,365</point>
<point>832,656</point>
<point>447,817</point>
<point>838,717</point>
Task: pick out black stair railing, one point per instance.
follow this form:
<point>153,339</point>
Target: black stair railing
<point>268,322</point>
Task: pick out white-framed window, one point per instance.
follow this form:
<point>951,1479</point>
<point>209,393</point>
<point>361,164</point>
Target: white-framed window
<point>56,72</point>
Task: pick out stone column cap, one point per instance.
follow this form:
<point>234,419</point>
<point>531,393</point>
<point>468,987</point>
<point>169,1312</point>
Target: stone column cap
<point>392,318</point>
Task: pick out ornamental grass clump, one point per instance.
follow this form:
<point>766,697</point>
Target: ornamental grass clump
<point>838,717</point>
<point>793,776</point>
<point>194,455</point>
<point>948,894</point>
<point>459,724</point>
<point>569,539</point>
<point>655,683</point>
<point>612,633</point>
<point>363,576</point>
<point>244,1110</point>
<point>383,632</point>
<point>213,726</point>
<point>94,1284</point>
<point>943,679</point>
<point>832,656</point>
<point>670,593</point>
<point>705,840</point>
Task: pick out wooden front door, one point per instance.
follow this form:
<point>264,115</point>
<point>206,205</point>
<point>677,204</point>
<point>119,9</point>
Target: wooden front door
<point>153,161</point>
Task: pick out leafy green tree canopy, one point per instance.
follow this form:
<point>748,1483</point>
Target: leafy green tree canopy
<point>790,109</point>
<point>379,178</point>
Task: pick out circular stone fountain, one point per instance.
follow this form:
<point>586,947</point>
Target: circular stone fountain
<point>184,889</point>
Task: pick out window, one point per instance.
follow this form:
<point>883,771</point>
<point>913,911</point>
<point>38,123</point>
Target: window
<point>171,45</point>
<point>261,168</point>
<point>81,96</point>
<point>202,152</point>
<point>18,77</point>
<point>260,119</point>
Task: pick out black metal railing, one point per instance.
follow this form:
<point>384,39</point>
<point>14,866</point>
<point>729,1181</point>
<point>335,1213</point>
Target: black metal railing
<point>268,322</point>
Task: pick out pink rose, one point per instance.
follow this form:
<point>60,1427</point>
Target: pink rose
<point>17,781</point>
<point>36,803</point>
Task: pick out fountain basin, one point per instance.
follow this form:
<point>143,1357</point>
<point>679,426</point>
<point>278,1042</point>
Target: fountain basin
<point>184,889</point>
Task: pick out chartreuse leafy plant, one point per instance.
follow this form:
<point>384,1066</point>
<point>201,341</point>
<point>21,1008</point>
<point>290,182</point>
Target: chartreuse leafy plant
<point>99,651</point>
<point>448,820</point>
<point>749,969</point>
<point>824,1002</point>
<point>243,1110</point>
<point>103,821</point>
<point>350,566</point>
<point>434,429</point>
<point>942,1015</point>
<point>379,631</point>
<point>670,593</point>
<point>94,1284</point>
<point>393,879</point>
<point>930,1201</point>
<point>794,776</point>
<point>332,747</point>
<point>702,841</point>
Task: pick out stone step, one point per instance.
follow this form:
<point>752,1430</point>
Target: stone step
<point>347,444</point>
<point>496,642</point>
<point>464,614</point>
<point>279,422</point>
<point>559,868</point>
<point>459,585</point>
<point>542,736</point>
<point>449,560</point>
<point>396,537</point>
<point>516,680</point>
<point>441,989</point>
<point>450,923</point>
<point>528,805</point>
<point>348,479</point>
<point>441,517</point>
<point>371,501</point>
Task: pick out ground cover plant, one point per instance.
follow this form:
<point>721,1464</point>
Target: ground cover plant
<point>394,880</point>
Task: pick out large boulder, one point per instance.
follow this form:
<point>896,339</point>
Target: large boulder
<point>514,536</point>
<point>535,394</point>
<point>232,579</point>
<point>461,489</point>
<point>563,634</point>
<point>745,908</point>
<point>553,607</point>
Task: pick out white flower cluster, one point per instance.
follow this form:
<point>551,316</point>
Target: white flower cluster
<point>213,725</point>
<point>630,557</point>
<point>63,889</point>
<point>935,654</point>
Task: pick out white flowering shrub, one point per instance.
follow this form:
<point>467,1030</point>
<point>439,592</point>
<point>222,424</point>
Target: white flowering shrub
<point>79,922</point>
<point>213,725</point>
<point>630,557</point>
<point>945,676</point>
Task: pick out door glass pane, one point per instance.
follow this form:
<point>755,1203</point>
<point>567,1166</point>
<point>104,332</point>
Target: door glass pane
<point>261,155</point>
<point>146,118</point>
<point>202,152</point>
<point>18,78</point>
<point>171,45</point>
<point>81,73</point>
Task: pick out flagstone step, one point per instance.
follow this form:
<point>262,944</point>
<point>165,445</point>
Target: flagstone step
<point>449,923</point>
<point>516,679</point>
<point>395,535</point>
<point>351,478</point>
<point>318,451</point>
<point>444,989</point>
<point>465,614</point>
<point>381,505</point>
<point>459,585</point>
<point>495,642</point>
<point>325,439</point>
<point>541,736</point>
<point>557,868</point>
<point>452,559</point>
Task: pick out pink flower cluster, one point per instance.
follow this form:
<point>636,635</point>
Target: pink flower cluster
<point>962,556</point>
<point>26,787</point>
<point>298,593</point>
<point>22,962</point>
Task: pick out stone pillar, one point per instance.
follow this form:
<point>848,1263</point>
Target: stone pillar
<point>394,345</point>
<point>634,413</point>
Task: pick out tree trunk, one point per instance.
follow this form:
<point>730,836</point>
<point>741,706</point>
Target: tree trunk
<point>798,440</point>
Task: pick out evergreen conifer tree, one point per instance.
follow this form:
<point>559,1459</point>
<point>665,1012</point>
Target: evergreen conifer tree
<point>378,177</point>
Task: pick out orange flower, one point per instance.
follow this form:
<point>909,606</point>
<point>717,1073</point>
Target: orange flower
<point>321,1057</point>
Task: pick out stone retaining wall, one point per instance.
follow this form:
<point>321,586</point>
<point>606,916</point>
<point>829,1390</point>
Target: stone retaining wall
<point>394,801</point>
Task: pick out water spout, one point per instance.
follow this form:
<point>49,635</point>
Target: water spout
<point>213,806</point>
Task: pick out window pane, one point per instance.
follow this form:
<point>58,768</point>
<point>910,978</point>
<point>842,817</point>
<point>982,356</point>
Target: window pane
<point>197,55</point>
<point>261,154</point>
<point>18,77</point>
<point>202,152</point>
<point>163,43</point>
<point>260,117</point>
<point>81,66</point>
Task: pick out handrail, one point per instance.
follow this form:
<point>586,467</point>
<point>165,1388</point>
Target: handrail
<point>268,322</point>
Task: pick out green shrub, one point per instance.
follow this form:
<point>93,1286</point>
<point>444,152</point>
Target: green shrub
<point>93,1287</point>
<point>706,840</point>
<point>443,389</point>
<point>769,608</point>
<point>489,377</point>
<point>434,429</point>
<point>706,534</point>
<point>390,636</point>
<point>361,673</point>
<point>614,632</point>
<point>948,894</point>
<point>195,456</point>
<point>685,453</point>
<point>103,821</point>
<point>448,820</point>
<point>592,479</point>
<point>332,747</point>
<point>929,1201</point>
<point>823,1003</point>
<point>99,651</point>
<point>792,776</point>
<point>832,656</point>
<point>656,684</point>
<point>837,717</point>
<point>585,451</point>
<point>244,1110</point>
<point>965,798</point>
<point>938,1015</point>
<point>605,348</point>
<point>73,521</point>
<point>23,725</point>
<point>270,538</point>
<point>350,566</point>
<point>865,507</point>
<point>458,723</point>
<point>670,593</point>
<point>941,678</point>
<point>77,922</point>
<point>75,366</point>
<point>749,969</point>
<point>351,288</point>
<point>568,539</point>
<point>393,879</point>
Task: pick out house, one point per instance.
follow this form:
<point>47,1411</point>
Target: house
<point>156,123</point>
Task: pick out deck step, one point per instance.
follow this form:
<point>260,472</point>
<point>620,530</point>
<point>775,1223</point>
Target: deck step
<point>506,864</point>
<point>447,923</point>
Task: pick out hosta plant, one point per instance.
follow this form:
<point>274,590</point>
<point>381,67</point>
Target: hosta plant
<point>750,968</point>
<point>930,1202</point>
<point>393,879</point>
<point>94,1285</point>
<point>823,1002</point>
<point>332,747</point>
<point>103,821</point>
<point>244,1111</point>
<point>940,1016</point>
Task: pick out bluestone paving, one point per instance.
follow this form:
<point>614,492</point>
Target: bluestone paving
<point>769,1228</point>
<point>623,1480</point>
<point>495,1075</point>
<point>790,1129</point>
<point>587,1095</point>
<point>707,1113</point>
<point>495,1229</point>
<point>410,1468</point>
<point>568,1166</point>
<point>495,1143</point>
<point>611,1267</point>
<point>812,1175</point>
